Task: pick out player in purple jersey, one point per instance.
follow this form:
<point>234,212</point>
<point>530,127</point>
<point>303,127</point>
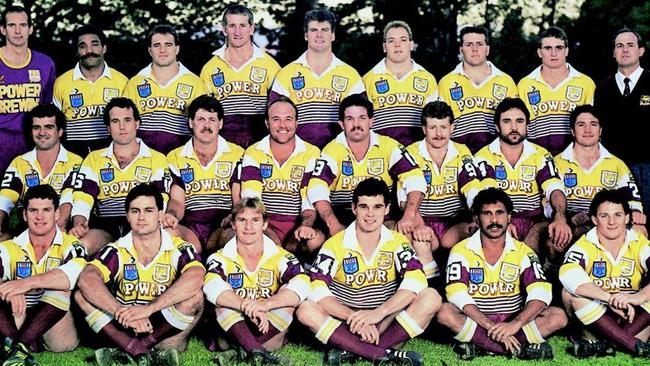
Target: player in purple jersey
<point>26,80</point>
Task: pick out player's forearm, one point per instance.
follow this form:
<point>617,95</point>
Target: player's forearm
<point>335,309</point>
<point>412,205</point>
<point>591,291</point>
<point>186,286</point>
<point>54,279</point>
<point>474,313</point>
<point>229,299</point>
<point>176,205</point>
<point>326,213</point>
<point>531,311</point>
<point>396,303</point>
<point>282,299</point>
<point>64,214</point>
<point>235,192</point>
<point>644,294</point>
<point>558,202</point>
<point>94,290</point>
<point>308,218</point>
<point>78,220</point>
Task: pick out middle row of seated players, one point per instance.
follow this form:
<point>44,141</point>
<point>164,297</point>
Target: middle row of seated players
<point>367,294</point>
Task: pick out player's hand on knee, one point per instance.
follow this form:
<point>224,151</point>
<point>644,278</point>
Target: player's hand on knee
<point>423,233</point>
<point>580,218</point>
<point>18,305</point>
<point>512,344</point>
<point>141,326</point>
<point>369,334</point>
<point>169,221</point>
<point>638,218</point>
<point>80,230</point>
<point>560,233</point>
<point>304,233</point>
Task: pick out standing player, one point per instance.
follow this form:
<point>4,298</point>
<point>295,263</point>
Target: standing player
<point>586,168</point>
<point>498,294</point>
<point>552,91</point>
<point>474,89</point>
<point>605,280</point>
<point>205,175</point>
<point>277,170</point>
<point>317,81</point>
<point>107,175</point>
<point>82,93</point>
<point>162,91</point>
<point>39,269</point>
<point>143,288</point>
<point>240,75</point>
<point>255,286</point>
<point>27,81</point>
<point>356,154</point>
<point>369,293</point>
<point>398,87</point>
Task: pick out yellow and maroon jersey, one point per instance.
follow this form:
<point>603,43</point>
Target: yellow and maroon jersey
<point>503,288</point>
<point>341,270</point>
<point>134,283</point>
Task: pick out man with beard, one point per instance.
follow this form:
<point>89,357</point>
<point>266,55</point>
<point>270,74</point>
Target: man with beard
<point>82,93</point>
<point>515,316</point>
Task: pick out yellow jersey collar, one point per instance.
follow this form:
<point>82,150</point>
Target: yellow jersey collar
<point>166,241</point>
<point>148,73</point>
<point>23,241</point>
<point>568,154</point>
<point>350,237</point>
<point>381,68</point>
<point>265,146</point>
<point>221,52</point>
<point>452,151</point>
<point>222,148</point>
<point>529,149</point>
<point>31,156</point>
<point>144,150</point>
<point>270,249</point>
<point>474,243</point>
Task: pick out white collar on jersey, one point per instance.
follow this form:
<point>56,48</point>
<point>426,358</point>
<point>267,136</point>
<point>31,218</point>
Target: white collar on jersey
<point>350,237</point>
<point>182,70</point>
<point>452,151</point>
<point>592,237</point>
<point>374,139</point>
<point>537,75</point>
<point>76,73</point>
<point>494,71</point>
<point>222,148</point>
<point>474,243</point>
<point>22,240</point>
<point>144,150</point>
<point>166,241</point>
<point>381,68</point>
<point>529,148</point>
<point>31,156</point>
<point>264,145</point>
<point>221,52</point>
<point>335,62</point>
<point>568,155</point>
<point>270,249</point>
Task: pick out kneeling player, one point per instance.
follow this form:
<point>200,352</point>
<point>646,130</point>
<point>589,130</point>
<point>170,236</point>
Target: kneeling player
<point>369,290</point>
<point>256,286</point>
<point>487,275</point>
<point>143,288</point>
<point>38,268</point>
<point>602,275</point>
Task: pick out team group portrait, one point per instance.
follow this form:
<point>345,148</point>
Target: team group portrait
<point>256,212</point>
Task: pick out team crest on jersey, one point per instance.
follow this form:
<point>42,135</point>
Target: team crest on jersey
<point>34,76</point>
<point>350,265</point>
<point>534,97</point>
<point>346,168</point>
<point>528,172</point>
<point>375,166</point>
<point>184,91</point>
<point>420,84</point>
<point>187,174</point>
<point>385,260</point>
<point>265,277</point>
<point>266,170</point>
<point>161,273</point>
<point>23,269</point>
<point>107,174</point>
<point>499,91</point>
<point>627,267</point>
<point>298,82</point>
<point>218,79</point>
<point>456,93</point>
<point>427,176</point>
<point>382,86</point>
<point>76,99</point>
<point>257,74</point>
<point>32,180</point>
<point>56,181</point>
<point>144,89</point>
<point>500,172</point>
<point>130,272</point>
<point>450,174</point>
<point>297,171</point>
<point>142,174</point>
<point>570,179</point>
<point>52,263</point>
<point>509,272</point>
<point>573,93</point>
<point>608,178</point>
<point>339,83</point>
<point>236,280</point>
<point>110,93</point>
<point>599,269</point>
<point>223,169</point>
<point>476,274</point>
<point>644,101</point>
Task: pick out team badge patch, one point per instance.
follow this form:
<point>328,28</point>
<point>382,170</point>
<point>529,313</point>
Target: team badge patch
<point>32,179</point>
<point>509,272</point>
<point>130,272</point>
<point>34,76</point>
<point>427,176</point>
<point>627,267</point>
<point>184,91</point>
<point>297,171</point>
<point>76,99</point>
<point>218,79</point>
<point>570,180</point>
<point>107,174</point>
<point>608,178</point>
<point>142,174</point>
<point>375,166</point>
<point>600,269</point>
<point>450,174</point>
<point>573,93</point>
<point>23,269</point>
<point>298,82</point>
<point>339,83</point>
<point>499,91</point>
<point>161,273</point>
<point>257,75</point>
<point>265,277</point>
<point>534,97</point>
<point>52,263</point>
<point>110,93</point>
<point>528,172</point>
<point>56,181</point>
<point>346,168</point>
<point>266,170</point>
<point>644,101</point>
<point>476,275</point>
<point>382,86</point>
<point>385,260</point>
<point>236,280</point>
<point>223,169</point>
<point>144,89</point>
<point>187,175</point>
<point>456,93</point>
<point>500,172</point>
<point>420,84</point>
<point>350,265</point>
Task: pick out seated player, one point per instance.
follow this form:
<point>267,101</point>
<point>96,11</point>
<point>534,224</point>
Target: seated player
<point>204,173</point>
<point>256,286</point>
<point>39,269</point>
<point>276,169</point>
<point>107,175</point>
<point>369,293</point>
<point>605,281</point>
<point>48,163</point>
<point>142,289</point>
<point>498,295</point>
<point>586,168</point>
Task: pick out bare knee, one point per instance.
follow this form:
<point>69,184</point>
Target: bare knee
<point>447,314</point>
<point>307,313</point>
<point>555,318</point>
<point>192,305</point>
<point>429,301</point>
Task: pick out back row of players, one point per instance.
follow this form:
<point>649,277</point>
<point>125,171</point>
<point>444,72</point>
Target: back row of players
<point>202,179</point>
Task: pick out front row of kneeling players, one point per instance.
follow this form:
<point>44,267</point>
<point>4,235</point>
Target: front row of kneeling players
<point>367,292</point>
